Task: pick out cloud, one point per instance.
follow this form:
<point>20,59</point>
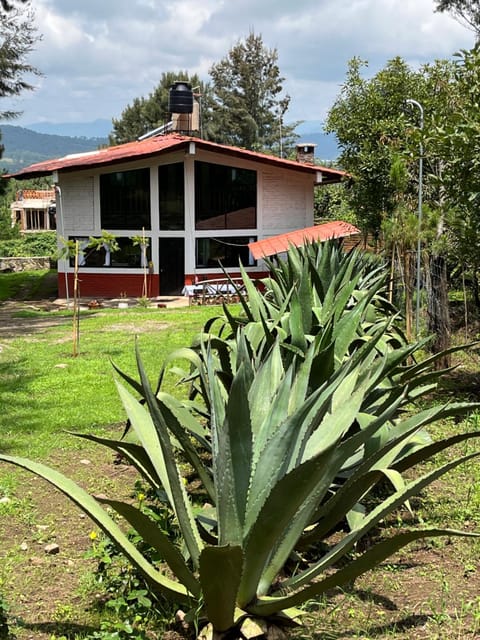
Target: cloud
<point>98,56</point>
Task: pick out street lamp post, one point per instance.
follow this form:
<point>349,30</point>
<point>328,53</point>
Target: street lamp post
<point>420,188</point>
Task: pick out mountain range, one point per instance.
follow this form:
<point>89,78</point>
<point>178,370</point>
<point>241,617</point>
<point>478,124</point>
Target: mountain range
<point>26,145</point>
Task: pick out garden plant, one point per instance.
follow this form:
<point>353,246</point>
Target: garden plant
<point>298,412</point>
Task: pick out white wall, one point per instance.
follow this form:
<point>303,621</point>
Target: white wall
<point>284,203</point>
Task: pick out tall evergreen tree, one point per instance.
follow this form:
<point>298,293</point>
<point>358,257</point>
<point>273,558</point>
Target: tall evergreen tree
<point>467,12</point>
<point>250,106</point>
<point>147,113</point>
<point>18,36</point>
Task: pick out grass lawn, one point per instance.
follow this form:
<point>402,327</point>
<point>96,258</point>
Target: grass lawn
<point>45,390</point>
<point>428,591</point>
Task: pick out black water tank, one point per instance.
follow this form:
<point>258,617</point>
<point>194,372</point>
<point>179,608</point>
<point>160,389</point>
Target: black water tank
<point>180,98</point>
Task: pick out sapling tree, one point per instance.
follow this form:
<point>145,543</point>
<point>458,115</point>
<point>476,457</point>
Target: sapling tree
<point>143,242</point>
<point>72,249</point>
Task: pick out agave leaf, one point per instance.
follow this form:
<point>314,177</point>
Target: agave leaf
<point>362,479</point>
<point>346,328</point>
<point>426,364</point>
<point>355,515</point>
<point>266,606</point>
<point>292,532</point>
<point>154,536</point>
<point>263,393</point>
<point>180,423</point>
<point>220,570</point>
<point>345,405</point>
<point>227,503</point>
<point>371,520</point>
<point>144,428</point>
<point>159,582</point>
<point>238,436</point>
<point>174,484</point>
<point>272,463</point>
<point>133,452</point>
<point>297,323</point>
<point>430,450</point>
<point>304,486</point>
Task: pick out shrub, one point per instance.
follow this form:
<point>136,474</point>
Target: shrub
<point>30,245</point>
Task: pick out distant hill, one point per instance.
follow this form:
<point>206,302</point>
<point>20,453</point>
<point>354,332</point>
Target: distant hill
<point>94,129</point>
<point>23,147</point>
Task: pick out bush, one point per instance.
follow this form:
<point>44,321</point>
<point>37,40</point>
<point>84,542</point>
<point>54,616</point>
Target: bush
<point>31,245</point>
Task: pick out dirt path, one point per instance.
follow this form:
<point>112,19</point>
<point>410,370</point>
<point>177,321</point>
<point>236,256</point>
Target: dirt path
<point>11,325</point>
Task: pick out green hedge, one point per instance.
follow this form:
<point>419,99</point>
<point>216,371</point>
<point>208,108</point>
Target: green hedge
<point>33,244</point>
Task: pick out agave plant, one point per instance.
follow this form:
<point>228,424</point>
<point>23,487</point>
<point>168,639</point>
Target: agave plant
<point>317,289</point>
<point>277,447</point>
<point>333,306</point>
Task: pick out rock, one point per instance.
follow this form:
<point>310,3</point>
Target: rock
<point>24,546</point>
<point>52,548</point>
<point>85,461</point>
<point>4,500</point>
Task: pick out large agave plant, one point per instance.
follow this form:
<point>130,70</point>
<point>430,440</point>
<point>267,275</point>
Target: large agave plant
<point>277,447</point>
<point>332,306</point>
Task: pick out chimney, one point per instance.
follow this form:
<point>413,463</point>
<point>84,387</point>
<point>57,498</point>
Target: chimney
<point>306,152</point>
<point>187,122</point>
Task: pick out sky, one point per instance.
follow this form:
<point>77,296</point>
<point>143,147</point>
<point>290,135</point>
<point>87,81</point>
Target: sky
<point>96,56</point>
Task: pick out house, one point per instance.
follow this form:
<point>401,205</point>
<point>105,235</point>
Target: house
<point>198,204</point>
<point>34,210</point>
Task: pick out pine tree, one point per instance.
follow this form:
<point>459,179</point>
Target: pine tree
<point>18,36</point>
<point>249,105</point>
<point>467,12</point>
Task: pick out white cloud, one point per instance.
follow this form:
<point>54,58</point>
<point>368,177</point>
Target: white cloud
<point>98,56</point>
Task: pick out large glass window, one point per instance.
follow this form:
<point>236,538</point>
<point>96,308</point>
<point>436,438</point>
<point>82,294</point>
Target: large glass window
<point>225,197</point>
<point>128,255</point>
<point>125,199</point>
<point>171,196</point>
<point>226,252</point>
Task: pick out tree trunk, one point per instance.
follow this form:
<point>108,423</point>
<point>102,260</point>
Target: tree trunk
<point>438,310</point>
<point>475,291</point>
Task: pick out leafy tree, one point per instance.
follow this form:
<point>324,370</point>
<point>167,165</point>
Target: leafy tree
<point>146,114</point>
<point>455,134</point>
<point>379,134</point>
<point>9,5</point>
<point>368,119</point>
<point>249,107</point>
<point>331,202</point>
<point>17,39</point>
<point>467,12</point>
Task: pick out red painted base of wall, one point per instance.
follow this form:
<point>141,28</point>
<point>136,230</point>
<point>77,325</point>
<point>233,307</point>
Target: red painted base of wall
<point>99,285</point>
<point>114,285</point>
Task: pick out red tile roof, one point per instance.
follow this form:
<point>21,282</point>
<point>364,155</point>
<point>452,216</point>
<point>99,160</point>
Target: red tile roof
<point>321,232</point>
<point>162,144</point>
